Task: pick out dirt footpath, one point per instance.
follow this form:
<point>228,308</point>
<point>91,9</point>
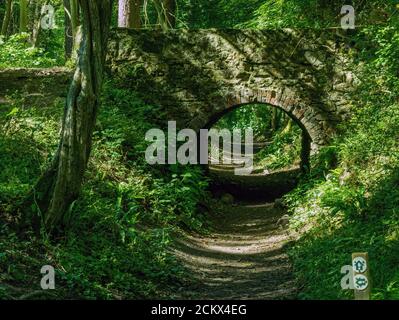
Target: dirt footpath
<point>242,258</point>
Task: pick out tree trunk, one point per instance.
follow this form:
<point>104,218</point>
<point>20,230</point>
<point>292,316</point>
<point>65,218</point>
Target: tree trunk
<point>274,120</point>
<point>136,14</point>
<point>75,23</point>
<point>36,25</point>
<point>68,35</point>
<point>170,12</point>
<point>7,18</point>
<point>74,17</point>
<point>123,13</point>
<point>305,152</point>
<point>60,185</point>
<point>71,8</point>
<point>129,14</point>
<point>23,15</point>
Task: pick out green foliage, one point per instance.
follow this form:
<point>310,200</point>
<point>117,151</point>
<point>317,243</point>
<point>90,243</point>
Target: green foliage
<point>272,14</point>
<point>117,240</point>
<point>284,150</point>
<point>285,145</point>
<point>354,207</point>
<point>198,14</point>
<point>120,229</point>
<point>255,116</point>
<point>18,52</point>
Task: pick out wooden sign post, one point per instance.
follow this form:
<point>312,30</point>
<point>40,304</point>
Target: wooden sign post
<point>361,276</point>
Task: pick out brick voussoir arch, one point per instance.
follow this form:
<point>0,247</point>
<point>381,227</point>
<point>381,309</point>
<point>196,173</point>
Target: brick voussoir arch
<point>284,100</point>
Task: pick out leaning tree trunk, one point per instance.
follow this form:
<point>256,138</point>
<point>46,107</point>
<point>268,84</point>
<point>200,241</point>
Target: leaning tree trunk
<point>60,185</point>
<point>7,18</point>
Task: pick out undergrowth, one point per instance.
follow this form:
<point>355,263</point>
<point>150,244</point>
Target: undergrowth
<point>119,231</point>
<point>351,201</point>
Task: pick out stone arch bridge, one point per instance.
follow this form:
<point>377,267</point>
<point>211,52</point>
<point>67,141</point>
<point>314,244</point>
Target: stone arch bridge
<point>199,75</point>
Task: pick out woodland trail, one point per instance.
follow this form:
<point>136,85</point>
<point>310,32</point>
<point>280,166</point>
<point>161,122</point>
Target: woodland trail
<point>243,257</point>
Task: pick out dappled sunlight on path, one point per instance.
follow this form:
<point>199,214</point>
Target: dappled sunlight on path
<point>243,258</point>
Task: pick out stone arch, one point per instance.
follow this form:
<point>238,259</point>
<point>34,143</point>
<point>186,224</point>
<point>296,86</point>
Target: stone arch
<point>306,148</point>
<point>306,118</point>
<point>195,75</point>
<point>314,131</point>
